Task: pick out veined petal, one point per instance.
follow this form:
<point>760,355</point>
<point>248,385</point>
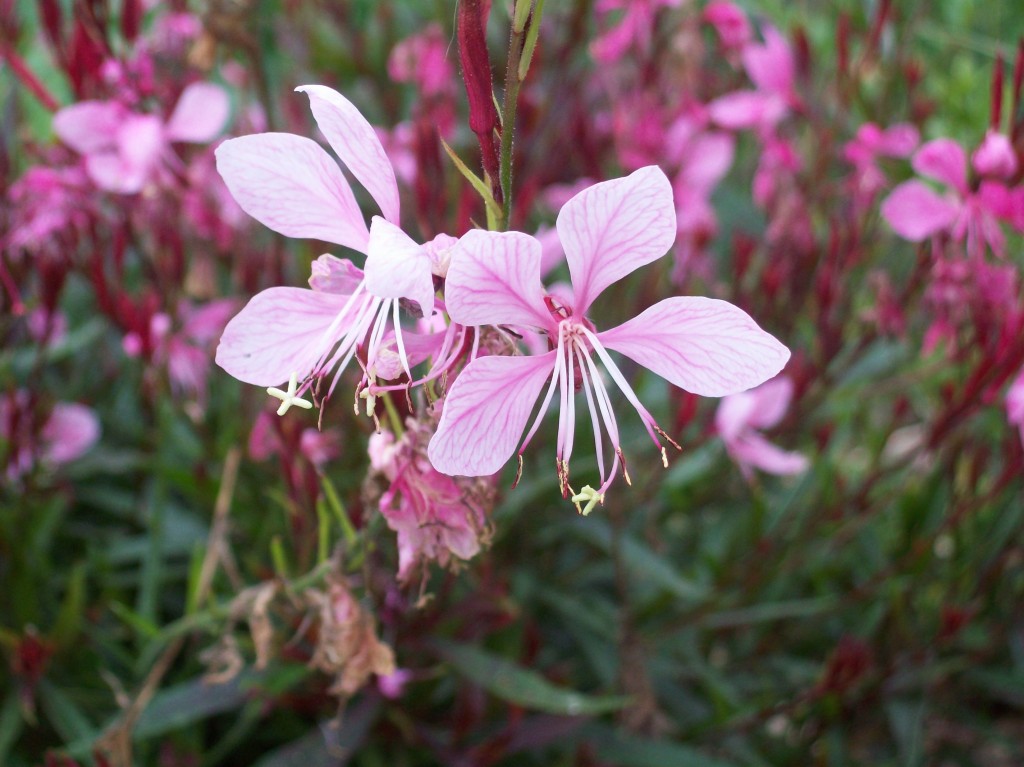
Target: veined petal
<point>916,212</point>
<point>290,184</point>
<point>943,160</point>
<point>200,114</point>
<point>485,413</point>
<point>703,345</point>
<point>280,331</point>
<point>397,266</point>
<point>356,143</point>
<point>771,402</point>
<point>494,279</point>
<point>614,227</point>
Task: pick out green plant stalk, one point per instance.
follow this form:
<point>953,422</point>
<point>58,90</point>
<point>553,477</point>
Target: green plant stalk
<point>524,26</point>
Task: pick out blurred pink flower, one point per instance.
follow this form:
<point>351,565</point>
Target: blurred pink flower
<point>995,157</point>
<point>870,143</point>
<point>124,150</point>
<point>916,212</point>
<point>730,22</point>
<point>69,431</point>
<point>1015,403</point>
<point>634,29</point>
<point>739,419</point>
<point>47,206</point>
<point>771,67</point>
<point>705,346</point>
<point>422,59</point>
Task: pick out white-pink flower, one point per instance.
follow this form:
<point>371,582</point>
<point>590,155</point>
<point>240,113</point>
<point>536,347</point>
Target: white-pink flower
<point>703,345</point>
<point>123,150</point>
<point>739,419</point>
<point>292,185</point>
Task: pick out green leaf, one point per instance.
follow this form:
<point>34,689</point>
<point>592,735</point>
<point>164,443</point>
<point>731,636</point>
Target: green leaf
<point>522,687</point>
<point>61,712</point>
<point>11,724</point>
<point>493,210</point>
<point>618,748</point>
<point>328,743</point>
<point>771,611</point>
<point>69,617</point>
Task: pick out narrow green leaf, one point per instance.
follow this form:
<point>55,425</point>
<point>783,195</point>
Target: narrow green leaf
<point>340,515</point>
<point>772,611</point>
<point>616,747</point>
<point>477,183</point>
<point>69,618</point>
<point>531,42</point>
<point>523,687</point>
<point>61,712</point>
<point>11,724</point>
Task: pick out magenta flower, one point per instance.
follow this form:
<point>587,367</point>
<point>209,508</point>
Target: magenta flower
<point>1015,404</point>
<point>69,431</point>
<point>772,69</point>
<point>634,28</point>
<point>730,22</point>
<point>124,150</point>
<point>705,346</point>
<point>739,419</point>
<point>916,212</point>
<point>290,184</point>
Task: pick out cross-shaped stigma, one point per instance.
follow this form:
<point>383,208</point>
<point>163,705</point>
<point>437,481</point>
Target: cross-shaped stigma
<point>288,398</point>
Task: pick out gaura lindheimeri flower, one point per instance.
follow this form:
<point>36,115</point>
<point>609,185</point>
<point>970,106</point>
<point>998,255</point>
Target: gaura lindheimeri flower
<point>292,185</point>
<point>703,345</point>
<point>739,419</point>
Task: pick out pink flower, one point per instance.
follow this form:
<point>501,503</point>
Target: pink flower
<point>916,212</point>
<point>68,432</point>
<point>739,419</point>
<point>1015,403</point>
<point>438,518</point>
<point>422,59</point>
<point>291,185</point>
<point>730,22</point>
<point>123,150</point>
<point>48,206</point>
<point>635,27</point>
<point>870,143</point>
<point>772,69</point>
<point>995,157</point>
<point>705,346</point>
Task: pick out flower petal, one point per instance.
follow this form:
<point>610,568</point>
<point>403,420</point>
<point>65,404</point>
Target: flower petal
<point>754,450</point>
<point>485,413</point>
<point>200,114</point>
<point>703,345</point>
<point>614,227</point>
<point>89,126</point>
<point>356,143</point>
<point>494,279</point>
<point>943,160</point>
<point>747,109</point>
<point>398,267</point>
<point>329,274</point>
<point>280,331</point>
<point>290,184</point>
<point>69,432</point>
<point>916,212</point>
<point>771,401</point>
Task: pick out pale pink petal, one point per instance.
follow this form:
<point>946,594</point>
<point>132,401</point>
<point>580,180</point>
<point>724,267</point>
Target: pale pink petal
<point>206,322</point>
<point>754,450</point>
<point>770,66</point>
<point>730,22</point>
<point>397,266</point>
<point>916,212</point>
<point>899,140</point>
<point>732,418</point>
<point>140,143</point>
<point>943,160</point>
<point>280,331</point>
<point>486,412</point>
<point>771,402</point>
<point>330,274</point>
<point>290,184</point>
<point>109,171</point>
<point>551,253</point>
<point>200,114</point>
<point>89,126</point>
<point>747,109</point>
<point>387,363</point>
<point>709,158</point>
<point>494,279</point>
<point>703,345</point>
<point>69,432</point>
<point>614,227</point>
<point>356,143</point>
<point>1015,401</point>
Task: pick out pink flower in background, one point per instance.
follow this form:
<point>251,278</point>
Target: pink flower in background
<point>916,212</point>
<point>702,345</point>
<point>870,144</point>
<point>730,22</point>
<point>772,69</point>
<point>124,150</point>
<point>68,432</point>
<point>422,59</point>
<point>995,157</point>
<point>739,419</point>
<point>634,29</point>
<point>1015,404</point>
<point>438,518</point>
<point>290,184</point>
<point>47,207</point>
